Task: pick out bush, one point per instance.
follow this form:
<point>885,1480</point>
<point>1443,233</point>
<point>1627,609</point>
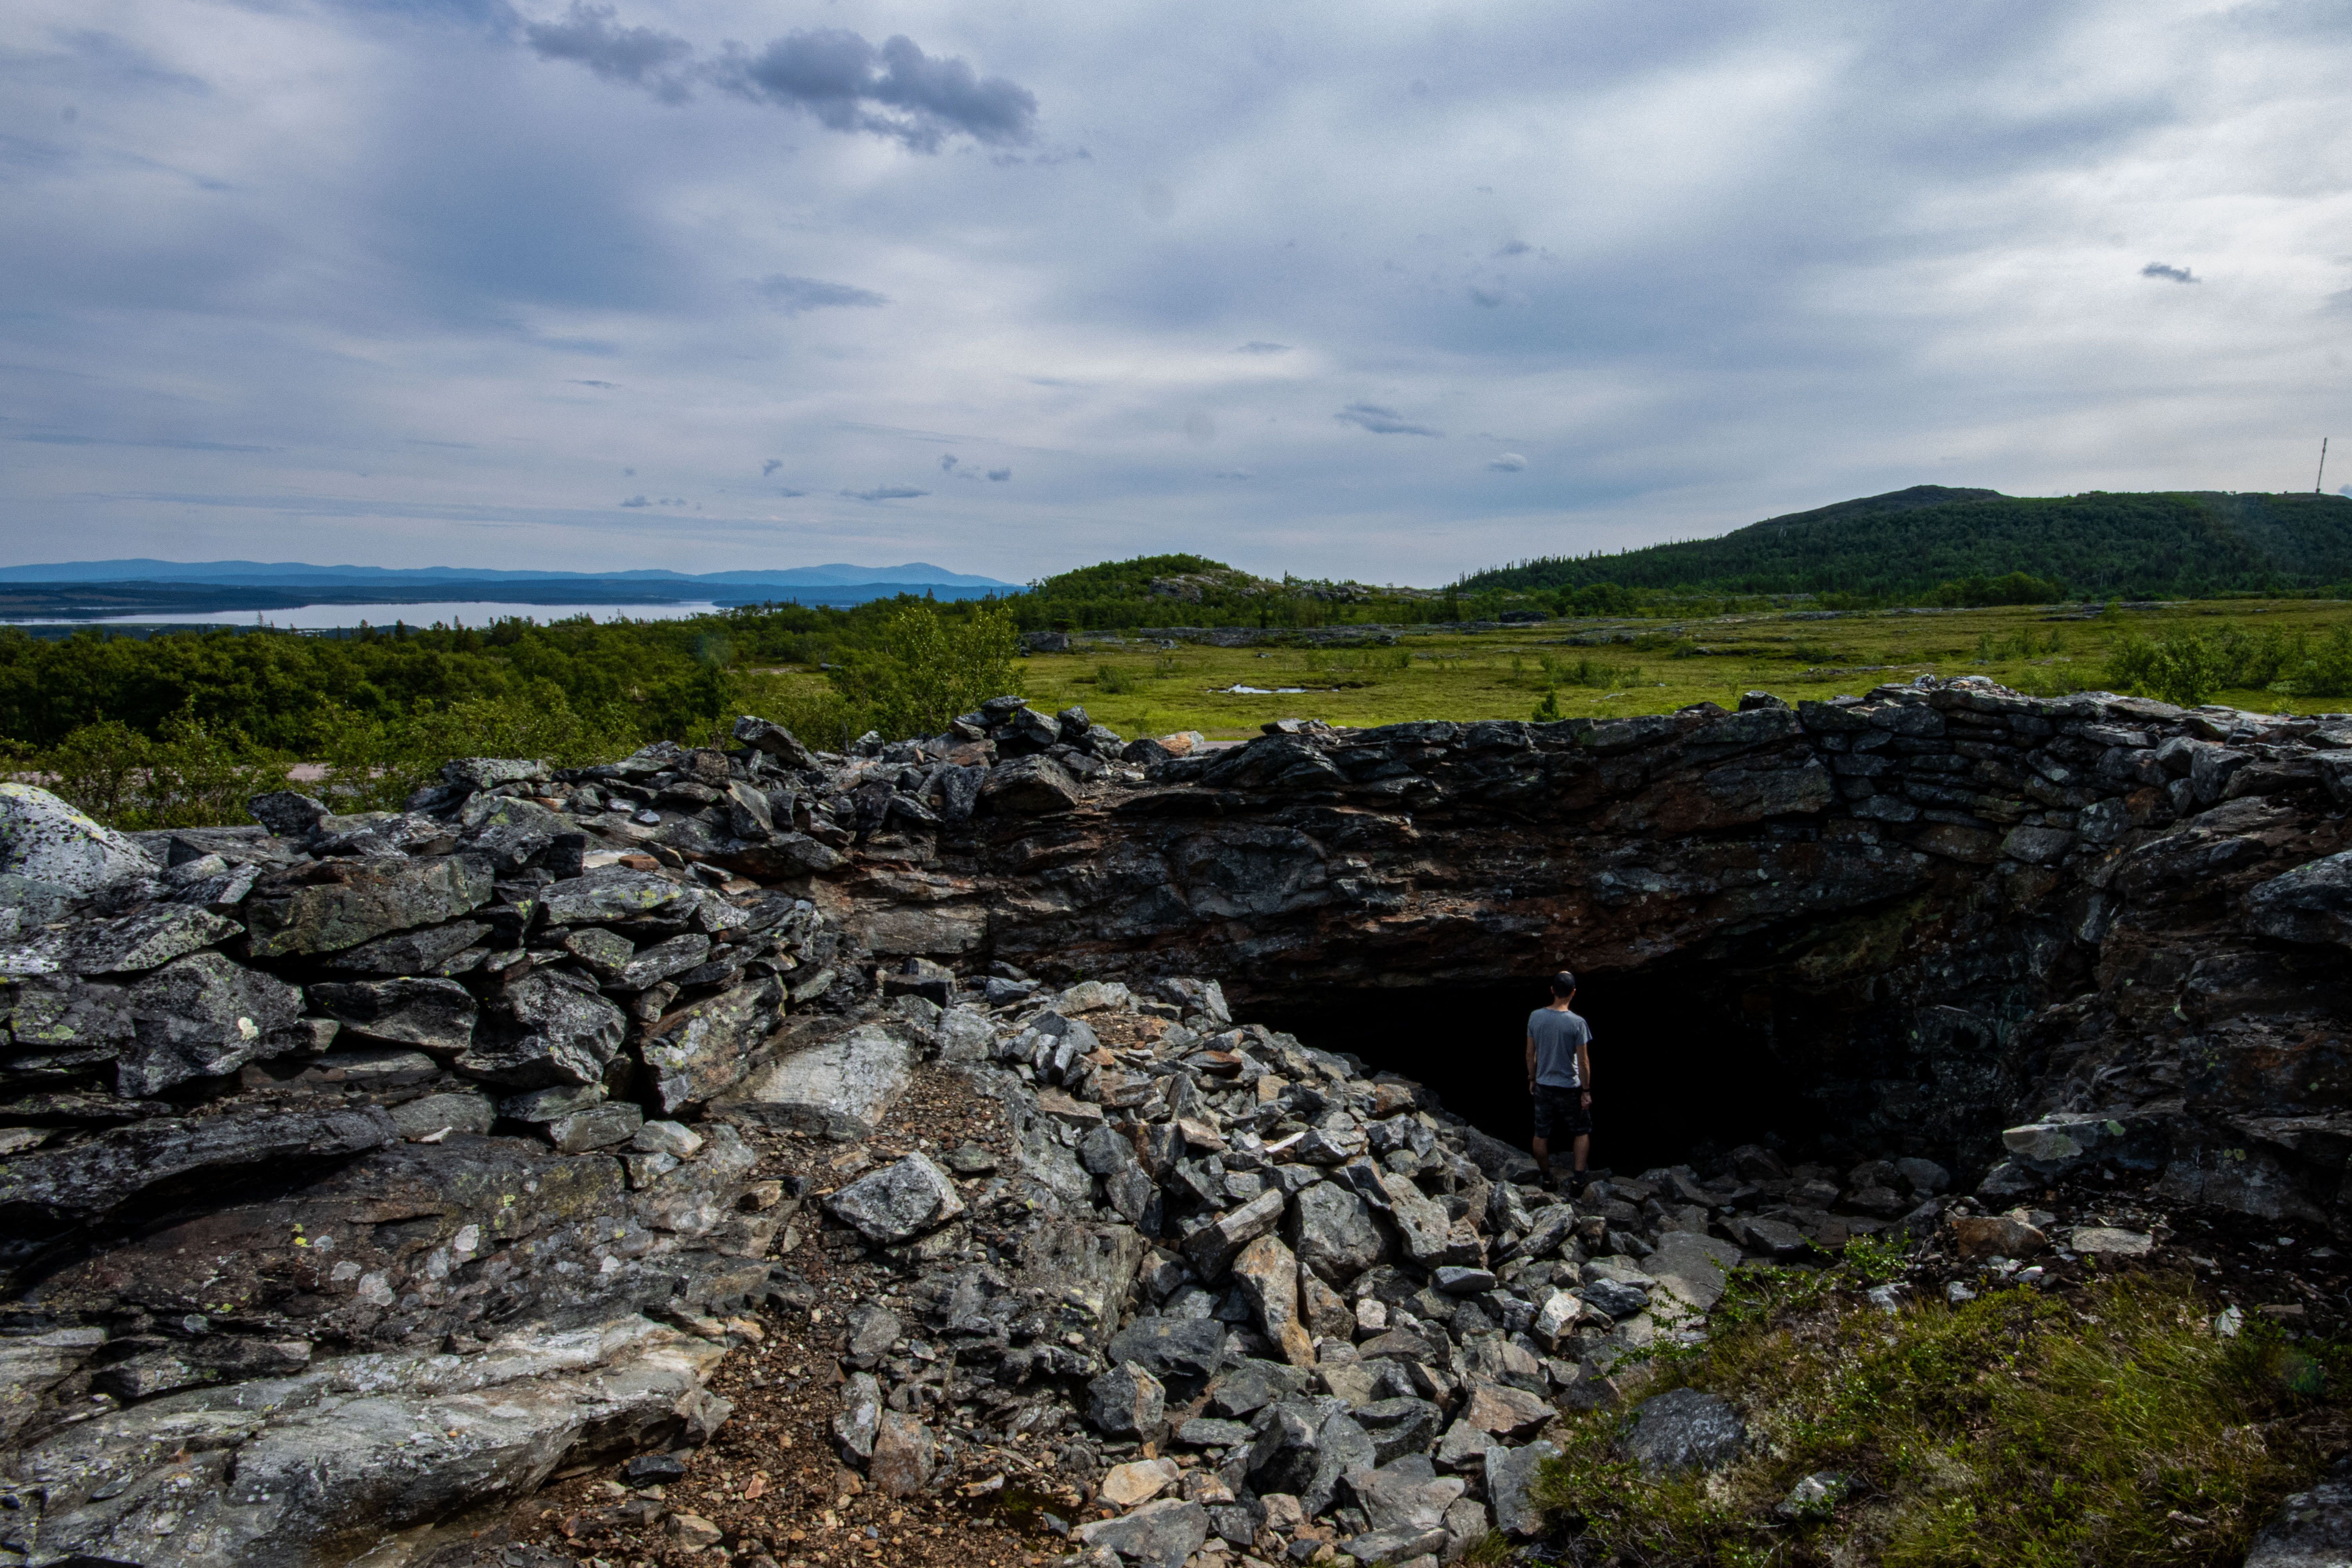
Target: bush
<point>192,776</point>
<point>2177,666</point>
<point>927,671</point>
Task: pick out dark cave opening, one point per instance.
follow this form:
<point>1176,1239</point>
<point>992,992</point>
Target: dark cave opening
<point>1688,1059</point>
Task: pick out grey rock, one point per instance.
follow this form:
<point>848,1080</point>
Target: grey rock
<point>547,1104</point>
<point>1510,1472</point>
<point>201,1016</point>
<point>1465,1526</point>
<point>545,1032</point>
<point>1105,1153</point>
<point>672,1138</point>
<point>1615,1298</point>
<point>1927,1177</point>
<point>46,840</point>
<point>48,1188</point>
<point>453,1112</point>
<point>860,1421</point>
<point>1255,1384</point>
<point>897,1202</point>
<point>701,1050</point>
<point>1547,1228</point>
<point>1400,1544</point>
<point>1816,1496</point>
<point>331,905</point>
<point>1210,1432</point>
<point>1406,1493</point>
<point>509,833</point>
<point>773,740</point>
<point>145,940</point>
<point>615,894</point>
<point>1400,1426</point>
<point>1457,1280</point>
<point>1683,1430</point>
<point>1691,1268</point>
<point>490,773</point>
<point>1159,1534</point>
<point>657,963</point>
<point>841,1089</point>
<point>597,1127</point>
<point>431,1015</point>
<point>1169,1348</point>
<point>1304,1448</point>
<point>2312,903</point>
<point>872,1330</point>
<point>906,1453</point>
<point>1127,1402</point>
<point>1028,786</point>
<point>606,954</point>
<point>410,952</point>
<point>2311,1530</point>
<point>1211,1249</point>
<point>289,814</point>
<point>1331,1229</point>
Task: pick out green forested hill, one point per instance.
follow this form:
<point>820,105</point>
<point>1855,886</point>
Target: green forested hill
<point>1906,543</point>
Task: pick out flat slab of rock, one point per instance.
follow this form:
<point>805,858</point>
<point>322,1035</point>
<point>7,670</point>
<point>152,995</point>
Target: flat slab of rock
<point>841,1089</point>
<point>2109,1242</point>
<point>1158,1535</point>
<point>87,1179</point>
<point>1692,1268</point>
<point>1505,1412</point>
<point>331,905</point>
<point>1683,1430</point>
<point>1138,1481</point>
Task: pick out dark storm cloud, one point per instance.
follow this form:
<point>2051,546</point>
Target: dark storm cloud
<point>999,475</point>
<point>895,91</point>
<point>1513,247</point>
<point>2178,274</point>
<point>639,56</point>
<point>1382,421</point>
<point>885,492</point>
<point>770,466</point>
<point>793,295</point>
<point>603,385</point>
<point>637,501</point>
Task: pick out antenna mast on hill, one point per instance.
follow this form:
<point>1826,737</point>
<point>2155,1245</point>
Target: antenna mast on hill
<point>2322,479</point>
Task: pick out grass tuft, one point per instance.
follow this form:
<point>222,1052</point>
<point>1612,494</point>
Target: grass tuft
<point>2108,1426</point>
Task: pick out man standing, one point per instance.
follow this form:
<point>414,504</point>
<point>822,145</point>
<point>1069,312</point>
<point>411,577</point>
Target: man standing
<point>1559,1077</point>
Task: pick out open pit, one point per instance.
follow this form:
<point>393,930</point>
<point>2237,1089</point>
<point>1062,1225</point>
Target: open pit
<point>365,1173</point>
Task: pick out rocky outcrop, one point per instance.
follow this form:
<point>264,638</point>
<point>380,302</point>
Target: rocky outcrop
<point>359,1170</point>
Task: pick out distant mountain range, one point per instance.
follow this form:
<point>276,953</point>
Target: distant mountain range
<point>149,587</point>
<point>2123,544</point>
<point>299,574</point>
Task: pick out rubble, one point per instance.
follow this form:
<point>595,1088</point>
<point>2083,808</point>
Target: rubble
<point>504,1122</point>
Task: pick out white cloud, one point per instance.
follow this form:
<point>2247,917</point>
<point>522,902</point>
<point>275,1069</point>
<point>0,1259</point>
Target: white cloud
<point>1739,261</point>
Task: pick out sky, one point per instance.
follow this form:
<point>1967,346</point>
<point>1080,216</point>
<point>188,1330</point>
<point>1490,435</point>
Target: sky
<point>1388,292</point>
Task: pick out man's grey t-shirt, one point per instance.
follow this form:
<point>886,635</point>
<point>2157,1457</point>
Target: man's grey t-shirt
<point>1557,1036</point>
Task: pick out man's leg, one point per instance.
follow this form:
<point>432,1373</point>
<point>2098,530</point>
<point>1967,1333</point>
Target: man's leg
<point>1583,1147</point>
<point>1543,1159</point>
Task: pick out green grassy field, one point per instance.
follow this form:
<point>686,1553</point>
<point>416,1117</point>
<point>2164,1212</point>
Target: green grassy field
<point>1142,688</point>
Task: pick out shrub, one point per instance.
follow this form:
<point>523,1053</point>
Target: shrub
<point>927,670</point>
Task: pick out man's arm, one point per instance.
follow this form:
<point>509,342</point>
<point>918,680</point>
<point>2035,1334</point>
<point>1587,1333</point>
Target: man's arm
<point>1584,1068</point>
<point>1531,1061</point>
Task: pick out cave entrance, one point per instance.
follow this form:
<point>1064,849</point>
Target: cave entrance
<point>1687,1059</point>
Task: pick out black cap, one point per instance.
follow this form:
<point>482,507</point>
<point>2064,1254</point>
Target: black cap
<point>1562,984</point>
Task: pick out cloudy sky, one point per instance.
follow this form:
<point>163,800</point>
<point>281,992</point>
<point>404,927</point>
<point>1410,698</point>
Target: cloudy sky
<point>1371,289</point>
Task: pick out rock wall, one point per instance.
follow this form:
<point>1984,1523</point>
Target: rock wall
<point>359,1170</point>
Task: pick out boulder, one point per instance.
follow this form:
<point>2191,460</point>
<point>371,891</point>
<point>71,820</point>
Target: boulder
<point>434,1114</point>
<point>1161,1535</point>
<point>431,1015</point>
<point>289,814</point>
<point>1028,786</point>
<point>1405,1494</point>
<point>706,1048</point>
<point>46,840</point>
<point>1214,1246</point>
<point>1683,1430</point>
<point>1137,1481</point>
<point>615,894</point>
<point>147,939</point>
<point>1511,1413</point>
<point>897,1202</point>
<point>1127,1402</point>
<point>905,1455</point>
<point>410,952</point>
<point>547,1030</point>
<point>1267,1275</point>
<point>1996,1236</point>
<point>841,1089</point>
<point>330,905</point>
<point>1510,1478</point>
<point>48,1188</point>
<point>2311,1530</point>
<point>1167,1348</point>
<point>1331,1231</point>
<point>201,1016</point>
<point>860,1420</point>
<point>1692,1268</point>
<point>1400,1426</point>
<point>2312,903</point>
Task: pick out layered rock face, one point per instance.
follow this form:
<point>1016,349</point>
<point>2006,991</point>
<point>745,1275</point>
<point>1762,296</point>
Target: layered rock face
<point>361,1169</point>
